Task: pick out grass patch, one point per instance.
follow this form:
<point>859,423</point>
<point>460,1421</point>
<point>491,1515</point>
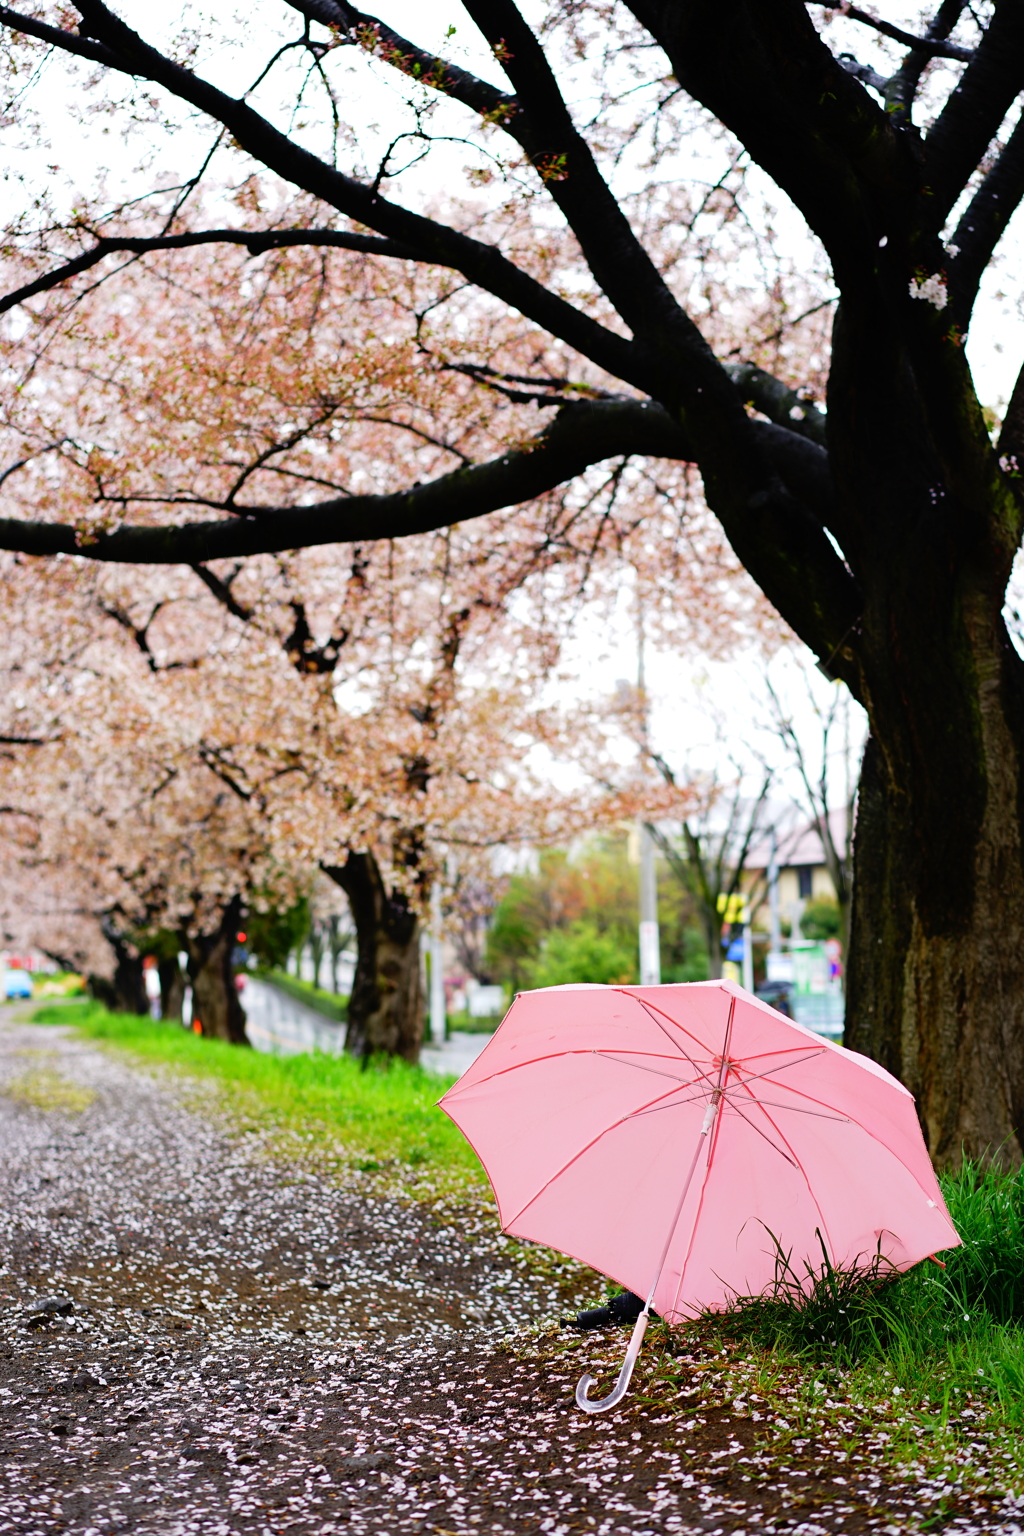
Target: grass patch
<point>382,1114</point>
<point>966,1316</point>
<point>332,1005</point>
<point>46,1089</point>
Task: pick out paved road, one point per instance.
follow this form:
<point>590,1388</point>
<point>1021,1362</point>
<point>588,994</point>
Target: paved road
<point>257,1347</point>
<point>278,1022</point>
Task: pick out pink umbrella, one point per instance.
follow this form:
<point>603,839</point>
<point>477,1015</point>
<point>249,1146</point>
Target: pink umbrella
<point>666,1136</point>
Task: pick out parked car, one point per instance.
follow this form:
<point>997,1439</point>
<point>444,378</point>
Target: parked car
<point>17,984</point>
<point>779,994</point>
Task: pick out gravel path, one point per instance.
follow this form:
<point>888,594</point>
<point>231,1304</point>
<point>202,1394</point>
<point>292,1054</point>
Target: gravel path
<point>255,1347</point>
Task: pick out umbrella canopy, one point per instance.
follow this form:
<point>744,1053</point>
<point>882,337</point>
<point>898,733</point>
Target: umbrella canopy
<point>666,1136</point>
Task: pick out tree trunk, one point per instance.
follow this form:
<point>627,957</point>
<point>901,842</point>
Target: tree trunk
<point>385,1011</point>
<point>215,1001</point>
<point>126,991</point>
<point>712,926</point>
<point>935,986</point>
<point>317,944</point>
<point>338,945</point>
<point>172,989</point>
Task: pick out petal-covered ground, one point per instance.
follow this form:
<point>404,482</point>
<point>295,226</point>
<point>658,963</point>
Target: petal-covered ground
<point>259,1345</point>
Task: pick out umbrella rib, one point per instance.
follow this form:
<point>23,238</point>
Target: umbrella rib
<point>789,1050</point>
<point>756,1076</point>
<point>651,1011</point>
<point>716,1130</point>
<point>800,1093</point>
<point>803,1171</point>
<point>625,1062</point>
<point>652,1109</point>
<point>797,1109</point>
<point>850,1120</point>
<point>728,1099</point>
<point>605,1131</point>
<point>761,1133</point>
<point>527,1061</point>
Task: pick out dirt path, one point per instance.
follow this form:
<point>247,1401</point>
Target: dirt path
<point>254,1349</point>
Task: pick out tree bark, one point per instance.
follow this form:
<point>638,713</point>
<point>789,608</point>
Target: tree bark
<point>215,1001</point>
<point>385,1011</point>
<point>935,986</point>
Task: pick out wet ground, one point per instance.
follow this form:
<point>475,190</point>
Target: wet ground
<point>250,1345</point>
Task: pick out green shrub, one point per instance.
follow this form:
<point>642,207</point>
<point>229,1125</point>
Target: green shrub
<point>821,919</point>
<point>583,953</point>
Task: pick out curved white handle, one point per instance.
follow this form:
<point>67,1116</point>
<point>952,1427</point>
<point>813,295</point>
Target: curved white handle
<point>618,1392</point>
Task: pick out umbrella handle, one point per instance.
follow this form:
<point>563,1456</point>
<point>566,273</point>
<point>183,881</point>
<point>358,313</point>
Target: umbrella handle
<point>618,1392</point>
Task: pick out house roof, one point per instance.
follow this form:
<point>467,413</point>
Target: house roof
<point>799,846</point>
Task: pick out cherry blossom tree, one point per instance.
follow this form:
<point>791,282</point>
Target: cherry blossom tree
<point>619,158</point>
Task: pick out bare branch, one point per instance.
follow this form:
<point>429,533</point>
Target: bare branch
<point>902,87</point>
<point>221,590</point>
<point>424,67</point>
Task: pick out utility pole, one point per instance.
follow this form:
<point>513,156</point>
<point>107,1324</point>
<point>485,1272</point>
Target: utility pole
<point>650,944</point>
<point>774,928</point>
<point>650,947</point>
<point>438,1020</point>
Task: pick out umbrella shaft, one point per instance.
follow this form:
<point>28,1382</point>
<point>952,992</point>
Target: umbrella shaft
<point>709,1120</point>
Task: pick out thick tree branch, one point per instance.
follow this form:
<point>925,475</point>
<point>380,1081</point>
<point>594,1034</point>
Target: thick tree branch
<point>255,242</point>
<point>974,112</point>
<point>621,265</point>
<point>777,401</point>
<point>581,435</point>
<point>779,534</point>
<point>68,42</point>
<point>480,263</point>
<point>933,47</point>
<point>982,225</point>
<point>864,73</point>
<point>764,522</point>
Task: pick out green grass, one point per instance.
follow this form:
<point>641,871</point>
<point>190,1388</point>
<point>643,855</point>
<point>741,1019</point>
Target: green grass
<point>332,1005</point>
<point>383,1114</point>
<point>925,1345</point>
<point>466,1024</point>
